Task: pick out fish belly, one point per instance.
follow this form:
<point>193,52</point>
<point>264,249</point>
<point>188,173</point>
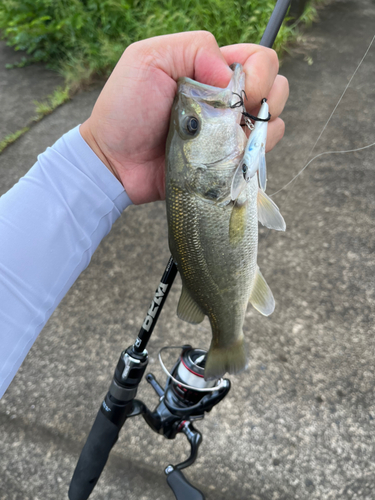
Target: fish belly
<point>218,272</point>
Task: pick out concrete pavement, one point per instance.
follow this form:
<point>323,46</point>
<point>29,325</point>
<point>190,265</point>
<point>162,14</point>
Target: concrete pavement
<point>299,423</point>
<point>19,88</point>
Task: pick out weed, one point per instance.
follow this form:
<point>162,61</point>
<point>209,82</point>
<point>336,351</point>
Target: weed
<point>83,38</point>
<point>9,139</point>
<point>58,97</point>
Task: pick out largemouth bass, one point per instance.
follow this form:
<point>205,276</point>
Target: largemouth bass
<point>214,239</point>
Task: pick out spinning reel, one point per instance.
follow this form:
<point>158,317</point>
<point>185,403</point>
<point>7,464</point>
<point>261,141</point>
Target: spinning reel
<point>185,399</point>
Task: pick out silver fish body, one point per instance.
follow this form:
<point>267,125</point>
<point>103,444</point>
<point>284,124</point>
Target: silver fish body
<point>212,239</point>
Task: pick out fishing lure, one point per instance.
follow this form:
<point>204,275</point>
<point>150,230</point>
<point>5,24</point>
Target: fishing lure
<point>254,159</point>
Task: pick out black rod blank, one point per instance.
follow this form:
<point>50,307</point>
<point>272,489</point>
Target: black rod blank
<point>104,433</point>
<point>276,20</point>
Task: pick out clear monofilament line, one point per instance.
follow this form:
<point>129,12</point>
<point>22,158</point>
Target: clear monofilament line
<point>317,156</point>
<point>325,126</point>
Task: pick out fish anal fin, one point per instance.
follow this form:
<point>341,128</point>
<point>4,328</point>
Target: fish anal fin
<point>261,297</point>
<point>187,309</point>
<point>268,213</point>
<point>220,360</point>
<point>237,223</point>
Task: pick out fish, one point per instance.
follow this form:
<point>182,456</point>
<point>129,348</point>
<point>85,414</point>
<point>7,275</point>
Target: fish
<point>212,238</point>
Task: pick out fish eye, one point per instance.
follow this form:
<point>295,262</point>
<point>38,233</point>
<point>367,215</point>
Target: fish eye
<point>192,125</point>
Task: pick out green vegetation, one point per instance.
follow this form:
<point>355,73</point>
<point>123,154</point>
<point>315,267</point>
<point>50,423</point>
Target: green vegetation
<point>9,139</point>
<point>58,97</point>
<point>43,108</point>
<point>83,38</point>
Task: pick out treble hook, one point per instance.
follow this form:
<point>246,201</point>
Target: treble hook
<point>247,115</point>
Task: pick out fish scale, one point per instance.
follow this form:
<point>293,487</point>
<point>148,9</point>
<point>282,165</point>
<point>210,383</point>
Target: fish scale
<point>213,239</point>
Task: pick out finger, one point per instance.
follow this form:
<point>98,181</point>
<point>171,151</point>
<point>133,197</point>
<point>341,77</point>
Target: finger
<point>193,54</point>
<point>261,66</point>
<point>276,99</point>
<point>275,133</point>
<point>278,96</point>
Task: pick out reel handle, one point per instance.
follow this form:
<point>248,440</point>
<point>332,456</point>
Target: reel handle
<point>180,486</point>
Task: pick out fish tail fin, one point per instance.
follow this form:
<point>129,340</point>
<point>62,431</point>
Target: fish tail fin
<point>231,359</point>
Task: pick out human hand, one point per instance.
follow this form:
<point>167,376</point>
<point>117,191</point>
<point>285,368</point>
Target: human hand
<point>129,124</point>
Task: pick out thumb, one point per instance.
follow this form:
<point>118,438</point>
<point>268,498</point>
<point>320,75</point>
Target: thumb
<point>193,54</point>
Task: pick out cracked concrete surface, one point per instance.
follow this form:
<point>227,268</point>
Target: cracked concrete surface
<point>299,423</point>
<point>19,88</point>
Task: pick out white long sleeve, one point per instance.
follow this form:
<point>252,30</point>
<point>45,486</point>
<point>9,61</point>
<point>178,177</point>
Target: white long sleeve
<point>51,222</point>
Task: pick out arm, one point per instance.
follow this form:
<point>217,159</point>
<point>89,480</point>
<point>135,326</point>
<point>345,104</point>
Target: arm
<point>54,218</point>
<point>51,222</point>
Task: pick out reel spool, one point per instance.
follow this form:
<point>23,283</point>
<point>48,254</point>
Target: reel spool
<point>189,371</point>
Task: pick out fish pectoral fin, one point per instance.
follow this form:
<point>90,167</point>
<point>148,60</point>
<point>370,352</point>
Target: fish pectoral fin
<point>187,309</point>
<point>268,213</point>
<point>237,223</point>
<point>261,297</point>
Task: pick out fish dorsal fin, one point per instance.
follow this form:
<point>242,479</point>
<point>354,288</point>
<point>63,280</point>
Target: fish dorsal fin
<point>268,213</point>
<point>187,309</point>
<point>261,297</point>
<point>237,223</point>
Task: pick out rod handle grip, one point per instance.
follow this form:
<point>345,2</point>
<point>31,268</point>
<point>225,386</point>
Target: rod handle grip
<point>94,456</point>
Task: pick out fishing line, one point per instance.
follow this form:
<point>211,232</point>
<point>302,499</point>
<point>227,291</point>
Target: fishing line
<point>240,103</point>
<point>317,156</point>
<point>325,126</point>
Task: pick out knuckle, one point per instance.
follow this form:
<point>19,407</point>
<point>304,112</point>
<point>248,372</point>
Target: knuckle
<point>144,53</point>
<point>206,36</point>
<point>133,47</point>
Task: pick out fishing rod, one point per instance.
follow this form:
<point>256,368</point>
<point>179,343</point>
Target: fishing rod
<point>185,398</point>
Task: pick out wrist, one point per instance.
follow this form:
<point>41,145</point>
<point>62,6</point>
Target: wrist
<point>89,138</point>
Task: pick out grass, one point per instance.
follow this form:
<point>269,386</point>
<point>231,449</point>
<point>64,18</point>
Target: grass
<point>54,100</point>
<point>42,108</point>
<point>9,139</point>
<point>84,39</point>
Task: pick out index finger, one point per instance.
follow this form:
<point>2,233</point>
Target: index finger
<point>261,66</point>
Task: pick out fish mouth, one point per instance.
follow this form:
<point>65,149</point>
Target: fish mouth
<point>216,96</point>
